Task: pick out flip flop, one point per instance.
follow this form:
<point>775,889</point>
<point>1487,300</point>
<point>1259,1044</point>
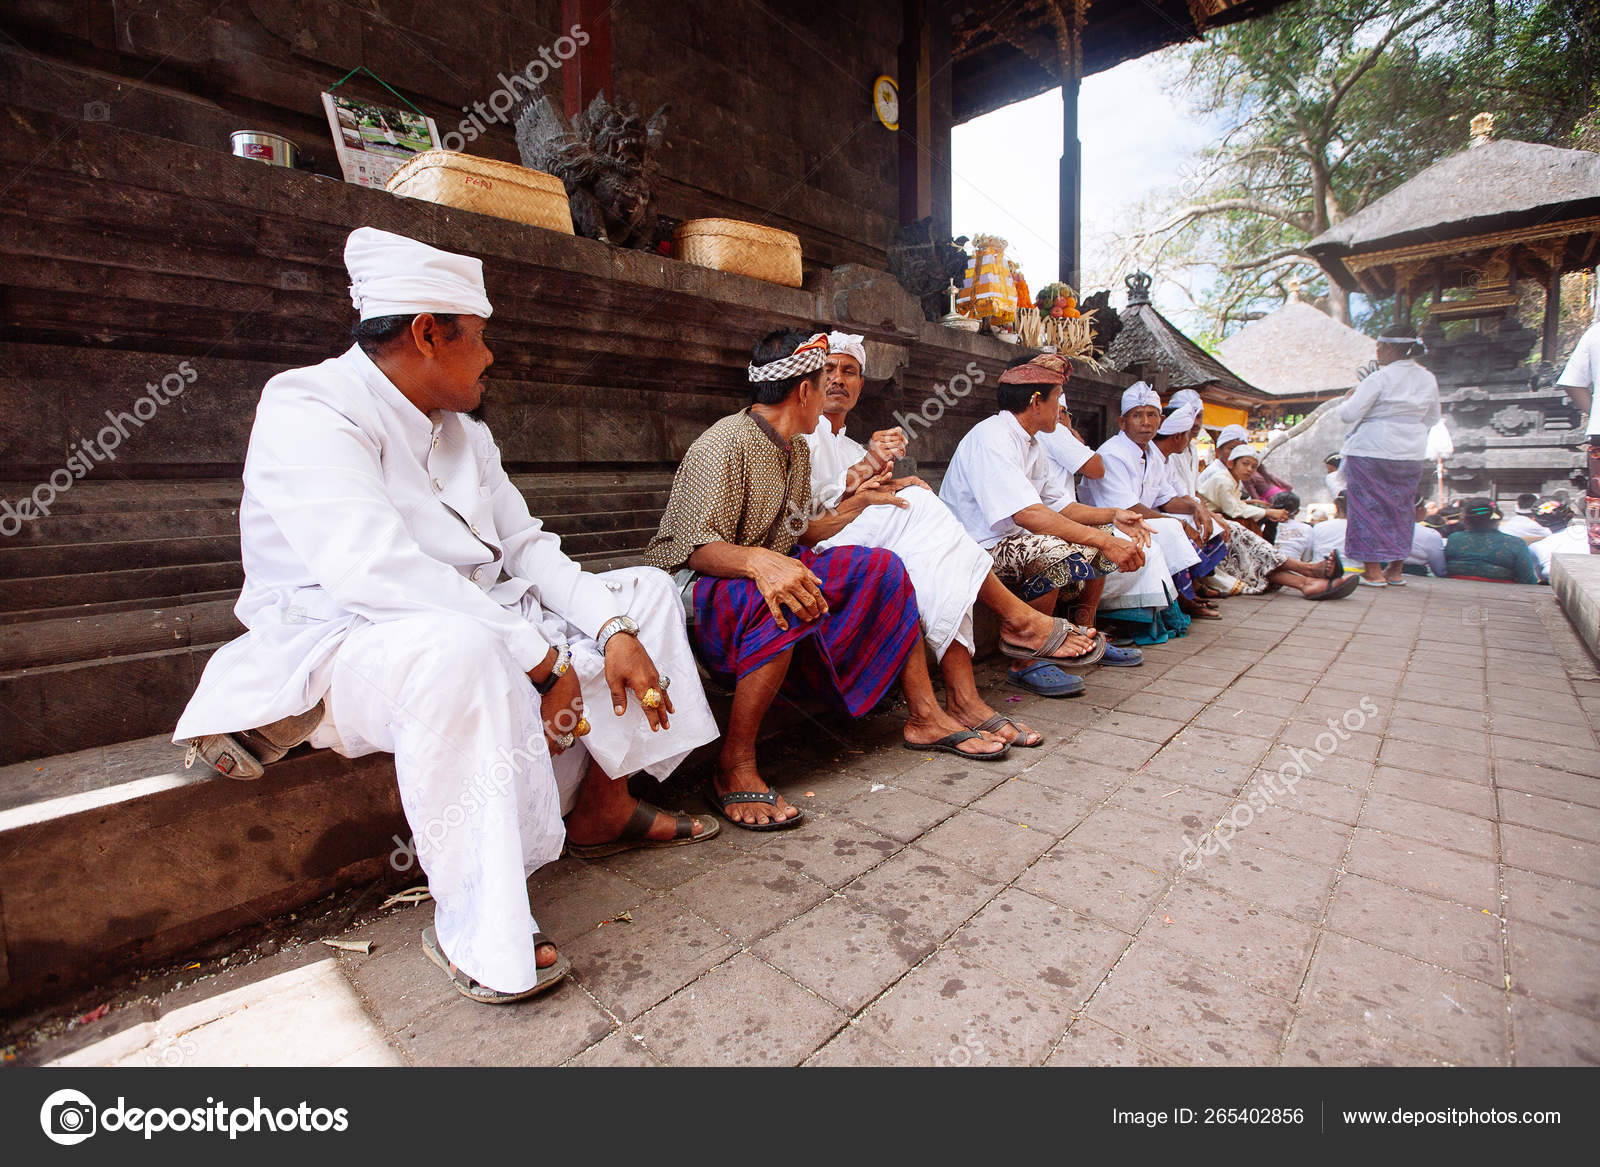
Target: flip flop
<point>949,742</point>
<point>994,724</point>
<point>1059,631</point>
<point>548,978</point>
<point>1368,583</point>
<point>1046,680</point>
<point>720,803</point>
<point>1338,563</point>
<point>633,835</point>
<point>1342,588</point>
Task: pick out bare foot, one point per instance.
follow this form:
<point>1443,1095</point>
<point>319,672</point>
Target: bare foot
<point>1036,630</point>
<point>926,731</point>
<point>743,776</point>
<point>975,713</point>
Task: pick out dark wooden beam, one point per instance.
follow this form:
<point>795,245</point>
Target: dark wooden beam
<point>913,55</point>
<point>589,73</point>
<point>1070,219</point>
<point>1552,314</point>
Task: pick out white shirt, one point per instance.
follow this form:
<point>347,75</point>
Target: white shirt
<point>998,470</point>
<point>1583,371</point>
<point>832,456</point>
<point>1523,527</point>
<point>1067,454</point>
<point>1427,549</point>
<point>1391,412</point>
<point>1133,477</point>
<point>359,507</point>
<point>1572,541</point>
<point>1294,540</point>
<point>1326,537</point>
<point>1223,494</point>
<point>1336,483</point>
<point>1184,466</point>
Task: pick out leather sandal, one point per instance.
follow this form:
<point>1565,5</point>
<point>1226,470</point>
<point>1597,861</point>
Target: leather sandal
<point>548,978</point>
<point>1059,631</point>
<point>950,744</point>
<point>634,835</point>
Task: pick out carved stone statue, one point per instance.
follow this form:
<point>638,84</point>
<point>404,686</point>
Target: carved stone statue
<point>608,160</point>
<point>1105,321</point>
<point>924,267</point>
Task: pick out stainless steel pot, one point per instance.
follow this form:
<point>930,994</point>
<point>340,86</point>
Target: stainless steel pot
<point>273,149</point>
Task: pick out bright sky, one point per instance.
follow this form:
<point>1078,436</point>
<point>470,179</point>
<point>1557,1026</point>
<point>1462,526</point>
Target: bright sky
<point>1136,140</point>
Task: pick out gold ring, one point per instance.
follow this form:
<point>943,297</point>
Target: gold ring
<point>651,699</point>
<point>582,727</point>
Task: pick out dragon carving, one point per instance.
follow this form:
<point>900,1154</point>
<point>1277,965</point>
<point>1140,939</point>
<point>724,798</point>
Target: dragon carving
<point>608,159</point>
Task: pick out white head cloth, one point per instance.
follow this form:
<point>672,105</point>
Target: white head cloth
<point>1179,421</point>
<point>1243,450</point>
<point>1232,433</point>
<point>849,345</point>
<point>391,275</point>
<point>1187,397</point>
<point>1139,394</point>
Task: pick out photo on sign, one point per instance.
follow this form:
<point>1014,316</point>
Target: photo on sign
<point>373,141</point>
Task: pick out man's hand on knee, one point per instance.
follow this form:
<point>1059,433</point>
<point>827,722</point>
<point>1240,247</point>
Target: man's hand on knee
<point>628,666</point>
<point>561,709</point>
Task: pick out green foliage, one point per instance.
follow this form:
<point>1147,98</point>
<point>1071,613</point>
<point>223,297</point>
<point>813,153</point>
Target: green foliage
<point>1329,104</point>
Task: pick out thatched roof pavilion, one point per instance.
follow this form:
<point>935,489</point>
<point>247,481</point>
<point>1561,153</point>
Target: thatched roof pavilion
<point>1298,353</point>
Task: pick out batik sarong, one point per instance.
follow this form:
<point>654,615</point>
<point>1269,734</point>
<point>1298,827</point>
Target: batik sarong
<point>1383,507</point>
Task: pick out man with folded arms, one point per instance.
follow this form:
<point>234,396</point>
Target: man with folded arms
<point>1046,546</point>
<point>740,506</point>
<point>948,571</point>
<point>400,598</point>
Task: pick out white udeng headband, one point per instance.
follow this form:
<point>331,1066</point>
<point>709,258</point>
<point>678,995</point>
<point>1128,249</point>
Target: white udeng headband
<point>808,358</point>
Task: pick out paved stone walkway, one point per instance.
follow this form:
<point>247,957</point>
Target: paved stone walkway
<point>1427,893</point>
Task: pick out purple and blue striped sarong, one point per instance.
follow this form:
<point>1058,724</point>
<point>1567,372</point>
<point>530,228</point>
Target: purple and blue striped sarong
<point>1382,496</point>
<point>858,647</point>
<point>1212,553</point>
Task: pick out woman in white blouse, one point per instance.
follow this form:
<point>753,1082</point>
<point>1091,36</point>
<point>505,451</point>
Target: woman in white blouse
<point>1390,414</point>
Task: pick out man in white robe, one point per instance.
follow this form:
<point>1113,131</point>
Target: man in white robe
<point>949,572</point>
<point>1046,546</point>
<point>400,598</point>
<point>1136,479</point>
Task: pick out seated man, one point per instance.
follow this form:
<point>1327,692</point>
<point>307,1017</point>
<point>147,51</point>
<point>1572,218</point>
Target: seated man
<point>1294,535</point>
<point>740,503</point>
<point>1046,545</point>
<point>948,570</point>
<point>1327,537</point>
<point>1136,479</point>
<point>1566,534</point>
<point>1068,452</point>
<point>400,598</point>
<point>1224,493</point>
<point>1484,552</point>
<point>1523,524</point>
<point>1427,548</point>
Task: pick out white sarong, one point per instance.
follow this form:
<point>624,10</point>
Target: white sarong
<point>480,792</point>
<point>946,567</point>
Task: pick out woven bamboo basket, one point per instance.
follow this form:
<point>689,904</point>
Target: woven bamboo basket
<point>487,186</point>
<point>742,248</point>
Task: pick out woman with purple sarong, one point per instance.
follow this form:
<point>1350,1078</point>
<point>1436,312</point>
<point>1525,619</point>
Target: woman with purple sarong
<point>1383,457</point>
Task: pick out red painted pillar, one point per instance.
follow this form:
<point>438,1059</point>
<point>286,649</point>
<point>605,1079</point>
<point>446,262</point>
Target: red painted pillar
<point>589,72</point>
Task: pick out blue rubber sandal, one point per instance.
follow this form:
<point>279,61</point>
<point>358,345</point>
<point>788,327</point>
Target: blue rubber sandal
<point>1119,657</point>
<point>1046,680</point>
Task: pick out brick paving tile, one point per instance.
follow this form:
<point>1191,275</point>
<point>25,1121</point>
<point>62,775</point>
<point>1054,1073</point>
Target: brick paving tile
<point>620,1048</point>
<point>1546,1036</point>
<point>854,1047</point>
<point>1557,904</point>
<point>1461,938</point>
<point>953,1010</point>
<point>1297,833</point>
<point>742,1013</point>
<point>1472,798</point>
<point>923,889</point>
<point>1117,890</point>
<point>844,953</point>
<point>1088,1043</point>
<point>1038,807</point>
<point>900,814</point>
<point>1550,814</point>
<point>1550,854</point>
<point>1511,774</point>
<point>994,847</point>
<point>1261,947</point>
<point>1423,867</point>
<point>750,896</point>
<point>1041,944</point>
<point>1174,1003</point>
<point>556,1025</point>
<point>631,966</point>
<point>828,848</point>
<point>1431,824</point>
<point>1555,968</point>
<point>1273,880</point>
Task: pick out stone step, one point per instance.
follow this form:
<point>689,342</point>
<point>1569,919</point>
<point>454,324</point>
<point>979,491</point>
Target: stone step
<point>101,608</point>
<point>151,584</point>
<point>21,563</point>
<point>82,704</point>
<point>98,526</point>
<point>68,639</point>
<point>120,857</point>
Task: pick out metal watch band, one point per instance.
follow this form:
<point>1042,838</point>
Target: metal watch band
<point>613,626</point>
<point>557,671</point>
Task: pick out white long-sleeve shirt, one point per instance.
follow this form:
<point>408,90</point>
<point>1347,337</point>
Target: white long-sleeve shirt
<point>1427,549</point>
<point>832,456</point>
<point>1067,455</point>
<point>1223,494</point>
<point>1133,477</point>
<point>997,470</point>
<point>1391,412</point>
<point>1583,372</point>
<point>359,507</point>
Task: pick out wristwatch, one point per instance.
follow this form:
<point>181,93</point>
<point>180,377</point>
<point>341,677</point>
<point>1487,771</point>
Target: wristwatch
<point>613,626</point>
<point>557,671</point>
